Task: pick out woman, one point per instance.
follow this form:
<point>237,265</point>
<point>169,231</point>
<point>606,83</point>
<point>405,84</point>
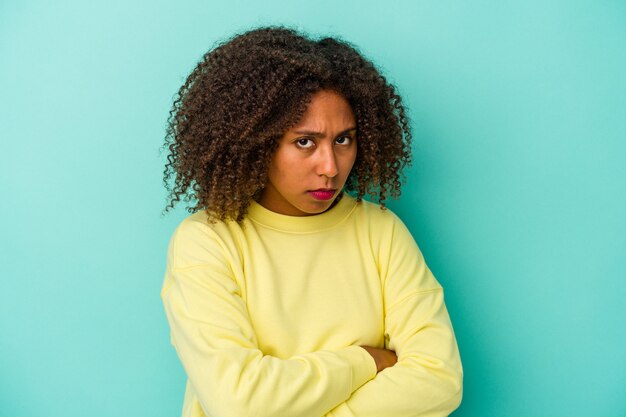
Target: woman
<point>285,295</point>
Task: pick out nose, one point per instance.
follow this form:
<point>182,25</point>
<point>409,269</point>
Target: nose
<point>327,163</point>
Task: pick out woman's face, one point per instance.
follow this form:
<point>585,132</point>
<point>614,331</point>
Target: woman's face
<point>313,159</point>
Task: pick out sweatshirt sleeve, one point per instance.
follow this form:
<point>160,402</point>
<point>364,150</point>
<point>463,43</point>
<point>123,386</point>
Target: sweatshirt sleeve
<point>427,379</point>
<point>214,339</point>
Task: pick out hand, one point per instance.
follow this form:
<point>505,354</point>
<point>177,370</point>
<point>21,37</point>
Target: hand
<point>384,357</point>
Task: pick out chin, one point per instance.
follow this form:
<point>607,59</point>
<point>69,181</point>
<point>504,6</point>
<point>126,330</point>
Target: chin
<point>320,207</point>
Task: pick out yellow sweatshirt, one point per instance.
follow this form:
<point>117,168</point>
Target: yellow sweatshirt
<point>267,317</point>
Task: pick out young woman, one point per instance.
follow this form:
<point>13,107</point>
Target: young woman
<point>287,294</point>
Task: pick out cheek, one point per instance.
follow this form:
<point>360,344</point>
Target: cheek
<point>290,163</point>
<point>350,160</point>
<point>286,171</point>
<point>280,170</point>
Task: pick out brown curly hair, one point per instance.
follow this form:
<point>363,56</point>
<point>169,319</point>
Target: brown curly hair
<point>245,93</point>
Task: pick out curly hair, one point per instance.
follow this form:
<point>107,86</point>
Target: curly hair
<point>244,94</point>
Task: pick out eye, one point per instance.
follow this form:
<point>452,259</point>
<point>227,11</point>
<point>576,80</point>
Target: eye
<point>344,140</point>
<point>304,143</point>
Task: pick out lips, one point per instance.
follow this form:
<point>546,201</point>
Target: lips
<point>323,194</point>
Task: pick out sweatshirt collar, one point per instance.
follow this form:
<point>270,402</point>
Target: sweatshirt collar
<point>303,224</point>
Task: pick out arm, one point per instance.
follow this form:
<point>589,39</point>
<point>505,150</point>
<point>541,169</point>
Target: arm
<point>215,341</point>
<point>384,358</point>
<point>427,379</point>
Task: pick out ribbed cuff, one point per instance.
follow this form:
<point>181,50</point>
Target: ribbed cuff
<point>362,364</point>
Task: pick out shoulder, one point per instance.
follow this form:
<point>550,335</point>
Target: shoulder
<point>196,240</point>
<point>376,217</point>
<point>384,225</point>
<point>381,227</point>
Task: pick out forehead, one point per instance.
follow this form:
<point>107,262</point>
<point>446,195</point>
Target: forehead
<point>327,108</point>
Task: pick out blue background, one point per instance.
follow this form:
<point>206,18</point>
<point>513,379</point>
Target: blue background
<point>516,195</point>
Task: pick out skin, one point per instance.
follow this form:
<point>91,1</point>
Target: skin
<point>384,358</point>
<point>322,158</point>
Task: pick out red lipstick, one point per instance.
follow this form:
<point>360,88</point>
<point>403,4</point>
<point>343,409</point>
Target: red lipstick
<point>323,194</point>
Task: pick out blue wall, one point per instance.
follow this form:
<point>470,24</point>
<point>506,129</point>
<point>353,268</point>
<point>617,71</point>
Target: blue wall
<point>516,196</point>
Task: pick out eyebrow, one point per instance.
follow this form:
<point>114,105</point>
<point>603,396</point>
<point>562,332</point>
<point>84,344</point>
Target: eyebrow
<point>318,134</point>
